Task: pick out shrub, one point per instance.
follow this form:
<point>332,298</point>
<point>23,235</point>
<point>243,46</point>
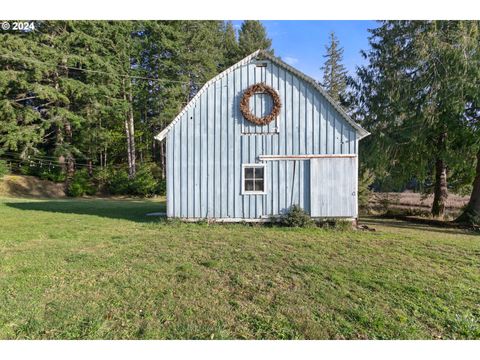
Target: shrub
<point>24,169</point>
<point>54,174</point>
<point>4,168</point>
<point>364,192</point>
<point>334,224</point>
<point>162,187</point>
<point>117,182</point>
<point>156,171</point>
<point>81,184</point>
<point>386,200</point>
<point>296,217</point>
<point>143,184</point>
<point>342,225</point>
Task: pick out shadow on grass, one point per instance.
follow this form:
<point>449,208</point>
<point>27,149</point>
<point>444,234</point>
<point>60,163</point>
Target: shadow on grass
<point>133,210</point>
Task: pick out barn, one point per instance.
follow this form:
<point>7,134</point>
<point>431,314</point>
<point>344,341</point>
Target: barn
<point>255,140</point>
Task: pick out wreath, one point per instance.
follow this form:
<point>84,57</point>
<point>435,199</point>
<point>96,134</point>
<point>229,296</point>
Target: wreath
<point>259,89</point>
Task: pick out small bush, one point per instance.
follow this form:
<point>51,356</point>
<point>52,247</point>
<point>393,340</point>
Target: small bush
<point>296,217</point>
<point>118,182</point>
<point>364,192</point>
<point>162,187</point>
<point>24,169</point>
<point>4,168</point>
<point>334,224</point>
<point>144,184</point>
<point>342,225</point>
<point>52,174</point>
<point>386,200</point>
<point>101,177</point>
<point>81,184</point>
<point>156,170</point>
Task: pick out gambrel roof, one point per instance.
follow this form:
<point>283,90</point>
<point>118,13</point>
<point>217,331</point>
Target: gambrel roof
<point>264,55</point>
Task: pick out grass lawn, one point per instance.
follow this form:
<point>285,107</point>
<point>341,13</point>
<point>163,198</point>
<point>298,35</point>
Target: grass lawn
<point>91,269</point>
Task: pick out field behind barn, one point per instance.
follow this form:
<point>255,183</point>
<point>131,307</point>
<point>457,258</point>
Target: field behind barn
<point>101,269</point>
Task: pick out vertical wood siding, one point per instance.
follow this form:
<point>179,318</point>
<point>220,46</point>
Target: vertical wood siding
<point>207,147</point>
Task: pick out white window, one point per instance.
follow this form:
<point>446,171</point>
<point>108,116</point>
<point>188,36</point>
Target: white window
<point>253,179</point>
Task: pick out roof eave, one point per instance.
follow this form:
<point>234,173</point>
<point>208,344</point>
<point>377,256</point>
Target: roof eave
<point>163,134</point>
<point>364,134</point>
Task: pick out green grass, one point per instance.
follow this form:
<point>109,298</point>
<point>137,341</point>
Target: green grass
<point>100,269</point>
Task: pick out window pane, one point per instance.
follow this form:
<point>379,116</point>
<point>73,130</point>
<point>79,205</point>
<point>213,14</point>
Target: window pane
<point>249,185</point>
<point>259,173</point>
<point>249,173</point>
<point>258,185</point>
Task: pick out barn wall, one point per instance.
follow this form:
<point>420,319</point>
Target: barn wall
<point>207,147</point>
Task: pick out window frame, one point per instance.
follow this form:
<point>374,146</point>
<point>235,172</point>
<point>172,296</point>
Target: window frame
<point>253,192</point>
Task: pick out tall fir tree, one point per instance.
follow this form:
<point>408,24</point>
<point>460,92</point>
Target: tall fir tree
<point>412,97</point>
<point>230,45</point>
<point>253,36</point>
<point>334,72</point>
<point>200,53</point>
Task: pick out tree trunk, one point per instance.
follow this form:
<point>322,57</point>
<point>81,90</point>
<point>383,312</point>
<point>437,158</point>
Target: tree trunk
<point>70,160</point>
<point>130,134</point>
<point>90,167</point>
<point>162,160</point>
<point>131,125</point>
<point>105,157</point>
<point>61,162</point>
<point>440,192</point>
<point>154,149</point>
<point>70,169</point>
<point>129,145</point>
<point>471,214</point>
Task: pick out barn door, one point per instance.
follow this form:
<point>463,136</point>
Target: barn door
<point>333,187</point>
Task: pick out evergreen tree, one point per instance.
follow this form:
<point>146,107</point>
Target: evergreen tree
<point>27,92</point>
<point>412,96</point>
<point>158,101</point>
<point>253,36</point>
<point>200,53</point>
<point>95,93</point>
<point>230,45</point>
<point>471,213</point>
<point>334,72</point>
<point>55,94</point>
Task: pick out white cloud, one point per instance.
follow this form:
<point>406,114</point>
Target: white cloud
<point>290,60</point>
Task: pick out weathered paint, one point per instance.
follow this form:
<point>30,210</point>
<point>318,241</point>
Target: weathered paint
<point>332,194</point>
<point>211,140</point>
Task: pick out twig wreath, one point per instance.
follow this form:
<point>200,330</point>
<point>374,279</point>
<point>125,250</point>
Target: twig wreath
<point>258,89</point>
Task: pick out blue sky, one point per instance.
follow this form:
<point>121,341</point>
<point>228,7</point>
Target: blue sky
<point>302,43</point>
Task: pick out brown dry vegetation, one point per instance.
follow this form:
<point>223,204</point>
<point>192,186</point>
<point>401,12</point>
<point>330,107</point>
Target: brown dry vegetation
<point>409,200</point>
<point>30,186</point>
